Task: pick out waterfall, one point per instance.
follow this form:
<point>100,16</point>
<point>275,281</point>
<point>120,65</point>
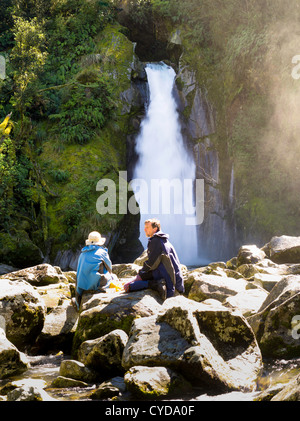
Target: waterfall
<point>164,175</point>
<point>231,188</point>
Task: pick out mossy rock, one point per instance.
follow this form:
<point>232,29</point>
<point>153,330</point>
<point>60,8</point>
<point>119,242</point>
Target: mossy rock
<point>98,326</point>
<point>23,310</point>
<point>102,313</point>
<point>153,382</point>
<point>18,250</point>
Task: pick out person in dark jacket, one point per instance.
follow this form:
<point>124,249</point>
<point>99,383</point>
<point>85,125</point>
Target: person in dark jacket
<point>161,271</point>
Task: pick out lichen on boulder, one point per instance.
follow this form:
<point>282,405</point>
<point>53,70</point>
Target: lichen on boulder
<point>211,346</point>
<point>102,313</point>
<point>23,310</point>
<point>153,382</point>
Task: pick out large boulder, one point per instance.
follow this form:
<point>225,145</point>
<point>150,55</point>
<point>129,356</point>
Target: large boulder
<point>213,286</point>
<point>12,361</point>
<point>104,354</point>
<point>266,281</point>
<point>207,345</point>
<point>43,274</point>
<point>23,310</point>
<point>102,313</point>
<point>67,382</point>
<point>109,388</point>
<point>249,254</point>
<point>273,324</point>
<point>247,302</point>
<point>269,267</point>
<point>76,370</point>
<point>283,249</point>
<point>290,393</point>
<point>58,330</point>
<point>153,382</point>
<point>29,390</point>
<point>54,295</point>
<point>125,270</point>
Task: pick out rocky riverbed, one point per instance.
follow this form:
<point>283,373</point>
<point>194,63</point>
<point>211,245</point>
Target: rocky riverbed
<point>234,334</point>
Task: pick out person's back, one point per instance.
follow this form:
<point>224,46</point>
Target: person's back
<point>170,251</point>
<point>88,275</point>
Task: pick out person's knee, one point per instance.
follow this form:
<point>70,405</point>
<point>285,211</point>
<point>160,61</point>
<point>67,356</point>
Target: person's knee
<point>170,292</point>
<point>138,285</point>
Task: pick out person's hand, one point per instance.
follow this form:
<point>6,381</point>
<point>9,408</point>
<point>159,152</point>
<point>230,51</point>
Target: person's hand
<point>127,286</point>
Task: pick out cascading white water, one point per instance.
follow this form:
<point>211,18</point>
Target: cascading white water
<point>164,160</point>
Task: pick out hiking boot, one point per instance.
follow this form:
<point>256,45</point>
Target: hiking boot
<point>72,290</point>
<point>159,286</point>
<point>76,301</point>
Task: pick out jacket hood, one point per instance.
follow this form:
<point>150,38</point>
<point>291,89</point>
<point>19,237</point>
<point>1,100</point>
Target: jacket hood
<point>161,234</point>
<point>92,247</point>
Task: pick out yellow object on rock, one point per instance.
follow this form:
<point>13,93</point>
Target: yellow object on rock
<point>116,284</point>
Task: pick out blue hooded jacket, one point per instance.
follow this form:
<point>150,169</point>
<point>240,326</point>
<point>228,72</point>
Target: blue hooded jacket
<point>89,261</point>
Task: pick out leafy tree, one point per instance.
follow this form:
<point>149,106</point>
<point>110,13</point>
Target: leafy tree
<point>28,58</point>
<point>84,110</point>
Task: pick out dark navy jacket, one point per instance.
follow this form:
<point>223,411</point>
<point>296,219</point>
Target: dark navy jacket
<point>163,261</point>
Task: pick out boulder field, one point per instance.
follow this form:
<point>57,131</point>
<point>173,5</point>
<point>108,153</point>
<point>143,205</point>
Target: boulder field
<point>216,336</point>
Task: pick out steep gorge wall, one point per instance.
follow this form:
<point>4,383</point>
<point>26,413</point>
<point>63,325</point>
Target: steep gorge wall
<point>217,234</point>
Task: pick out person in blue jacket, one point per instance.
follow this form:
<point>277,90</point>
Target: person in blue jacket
<point>162,270</point>
<point>88,267</point>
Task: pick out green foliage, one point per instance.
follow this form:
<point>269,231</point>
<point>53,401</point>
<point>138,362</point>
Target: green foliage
<point>60,176</point>
<point>17,186</point>
<point>27,58</point>
<point>84,109</point>
<point>45,44</point>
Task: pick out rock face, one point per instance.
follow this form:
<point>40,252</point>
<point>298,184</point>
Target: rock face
<point>217,232</point>
<point>18,249</point>
<point>207,345</point>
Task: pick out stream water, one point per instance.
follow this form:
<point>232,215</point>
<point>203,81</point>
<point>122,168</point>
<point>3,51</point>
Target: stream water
<point>44,369</point>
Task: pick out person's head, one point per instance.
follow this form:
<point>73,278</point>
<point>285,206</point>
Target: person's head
<point>151,227</point>
<point>95,239</point>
